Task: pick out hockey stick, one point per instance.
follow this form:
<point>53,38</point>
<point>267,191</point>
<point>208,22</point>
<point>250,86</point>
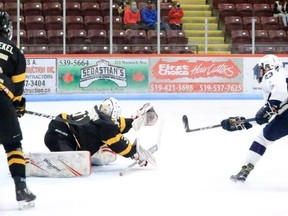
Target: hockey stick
<point>81,120</point>
<point>187,128</point>
<point>152,149</point>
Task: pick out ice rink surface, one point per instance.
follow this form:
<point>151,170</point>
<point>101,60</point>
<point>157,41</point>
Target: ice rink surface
<point>191,179</point>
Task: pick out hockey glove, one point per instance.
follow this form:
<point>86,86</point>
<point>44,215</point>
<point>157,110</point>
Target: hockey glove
<point>94,113</point>
<point>140,161</point>
<point>235,123</point>
<point>20,107</point>
<point>265,113</point>
<point>143,157</point>
<point>146,116</point>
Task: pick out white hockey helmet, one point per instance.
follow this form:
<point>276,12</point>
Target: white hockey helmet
<point>110,107</point>
<point>271,61</point>
<point>268,62</point>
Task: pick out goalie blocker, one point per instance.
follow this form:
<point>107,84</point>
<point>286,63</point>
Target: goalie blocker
<point>58,164</point>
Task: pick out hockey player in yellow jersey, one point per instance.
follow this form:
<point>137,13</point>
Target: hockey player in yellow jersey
<point>103,134</point>
<point>12,78</point>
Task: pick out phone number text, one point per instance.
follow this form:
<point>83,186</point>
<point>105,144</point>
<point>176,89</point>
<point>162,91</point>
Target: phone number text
<point>35,83</point>
<point>196,87</point>
<point>73,62</point>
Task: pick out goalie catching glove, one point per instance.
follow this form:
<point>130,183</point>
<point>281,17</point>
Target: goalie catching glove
<point>146,116</point>
<point>266,112</point>
<point>235,123</point>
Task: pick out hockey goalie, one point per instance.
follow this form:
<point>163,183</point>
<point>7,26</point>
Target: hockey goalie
<point>98,142</point>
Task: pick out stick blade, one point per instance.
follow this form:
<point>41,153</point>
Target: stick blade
<point>185,122</point>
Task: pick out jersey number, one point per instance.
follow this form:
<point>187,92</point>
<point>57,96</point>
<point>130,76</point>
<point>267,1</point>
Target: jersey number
<point>268,75</point>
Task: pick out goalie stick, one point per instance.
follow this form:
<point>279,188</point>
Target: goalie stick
<point>152,149</point>
<point>81,120</point>
<point>187,128</point>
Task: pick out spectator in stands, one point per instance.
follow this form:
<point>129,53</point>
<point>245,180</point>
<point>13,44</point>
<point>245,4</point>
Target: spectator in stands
<point>132,17</point>
<point>122,5</point>
<point>175,16</point>
<point>149,17</point>
<point>280,10</point>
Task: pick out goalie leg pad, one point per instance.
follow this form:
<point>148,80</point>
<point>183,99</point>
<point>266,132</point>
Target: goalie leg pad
<point>58,164</point>
<point>103,156</point>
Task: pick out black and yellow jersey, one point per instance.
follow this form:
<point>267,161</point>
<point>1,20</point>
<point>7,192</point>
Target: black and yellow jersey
<point>12,68</point>
<point>91,136</point>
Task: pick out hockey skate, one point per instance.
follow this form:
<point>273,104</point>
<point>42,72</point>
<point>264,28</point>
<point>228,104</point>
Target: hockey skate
<point>24,197</point>
<point>243,174</point>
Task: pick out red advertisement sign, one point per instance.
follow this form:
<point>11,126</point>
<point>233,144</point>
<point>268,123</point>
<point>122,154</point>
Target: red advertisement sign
<point>203,76</point>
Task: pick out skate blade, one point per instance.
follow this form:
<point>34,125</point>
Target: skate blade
<point>26,205</point>
<point>234,179</point>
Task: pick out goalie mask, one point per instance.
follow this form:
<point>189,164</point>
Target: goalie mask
<point>6,27</point>
<point>267,63</point>
<point>110,107</point>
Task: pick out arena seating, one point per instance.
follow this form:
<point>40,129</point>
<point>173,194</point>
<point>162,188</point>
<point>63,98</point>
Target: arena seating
<point>73,9</point>
<point>176,37</point>
<point>141,49</point>
<point>270,34</point>
<point>37,36</point>
<point>152,37</point>
<point>75,22</point>
<point>52,9</point>
<point>76,36</point>
<point>123,50</point>
<point>248,21</point>
<point>11,8</point>
<point>278,36</point>
<point>262,10</point>
<point>232,23</point>
<point>55,36</point>
<point>270,23</point>
<point>35,22</point>
<point>87,22</point>
<point>244,9</point>
<point>93,22</point>
<point>33,8</point>
<point>53,22</point>
<point>98,36</point>
<point>91,9</point>
<point>261,36</point>
<point>43,49</point>
<point>136,36</point>
<point>23,36</point>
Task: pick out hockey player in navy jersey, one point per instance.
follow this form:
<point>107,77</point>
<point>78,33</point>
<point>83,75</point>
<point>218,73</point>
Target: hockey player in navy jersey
<point>274,113</point>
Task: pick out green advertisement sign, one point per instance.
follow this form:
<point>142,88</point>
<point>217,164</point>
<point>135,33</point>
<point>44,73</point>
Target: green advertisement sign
<point>102,75</point>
